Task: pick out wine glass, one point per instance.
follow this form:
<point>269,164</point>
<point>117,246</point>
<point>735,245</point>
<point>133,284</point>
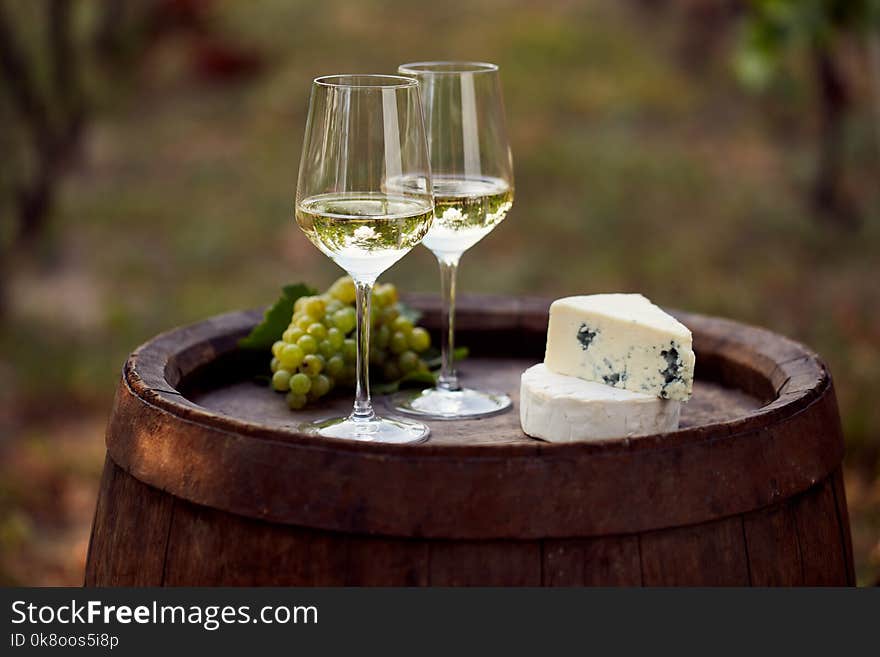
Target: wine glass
<point>361,132</point>
<point>472,172</point>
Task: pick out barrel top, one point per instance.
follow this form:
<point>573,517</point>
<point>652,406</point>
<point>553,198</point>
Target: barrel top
<point>762,425</point>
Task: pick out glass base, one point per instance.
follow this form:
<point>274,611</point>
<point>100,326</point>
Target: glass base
<point>439,404</point>
<point>375,430</point>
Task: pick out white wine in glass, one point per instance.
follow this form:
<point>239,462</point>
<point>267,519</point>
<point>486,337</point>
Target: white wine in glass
<point>361,132</point>
<point>472,174</point>
<point>364,233</point>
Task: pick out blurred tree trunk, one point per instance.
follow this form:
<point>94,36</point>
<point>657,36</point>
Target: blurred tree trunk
<point>52,114</point>
<point>829,194</point>
<point>108,40</point>
<point>873,57</point>
<point>54,125</point>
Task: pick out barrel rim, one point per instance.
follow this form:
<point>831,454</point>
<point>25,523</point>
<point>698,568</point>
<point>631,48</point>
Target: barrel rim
<point>141,367</point>
<point>688,476</point>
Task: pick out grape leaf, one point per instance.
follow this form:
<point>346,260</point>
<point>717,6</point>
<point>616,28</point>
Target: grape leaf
<point>433,359</point>
<point>276,319</point>
<point>424,378</point>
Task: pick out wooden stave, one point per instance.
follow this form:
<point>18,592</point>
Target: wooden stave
<point>142,536</point>
<point>489,510</point>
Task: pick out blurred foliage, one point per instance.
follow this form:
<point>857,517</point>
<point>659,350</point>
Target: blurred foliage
<point>637,169</point>
<point>818,32</point>
<point>773,28</point>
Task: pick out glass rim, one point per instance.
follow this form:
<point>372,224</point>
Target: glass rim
<point>391,81</point>
<point>453,67</point>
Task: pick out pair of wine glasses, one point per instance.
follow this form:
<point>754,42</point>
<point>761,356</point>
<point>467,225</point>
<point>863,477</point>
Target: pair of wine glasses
<point>390,161</point>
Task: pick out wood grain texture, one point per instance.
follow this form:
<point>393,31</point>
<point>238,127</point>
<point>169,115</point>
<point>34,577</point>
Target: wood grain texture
<point>605,561</point>
<point>485,563</point>
<point>211,473</point>
<point>207,545</point>
<point>130,532</point>
<point>843,519</point>
<point>773,551</point>
<point>711,554</point>
<point>377,561</point>
<point>822,550</point>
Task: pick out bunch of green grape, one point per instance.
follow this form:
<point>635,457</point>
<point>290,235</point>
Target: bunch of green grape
<point>318,350</point>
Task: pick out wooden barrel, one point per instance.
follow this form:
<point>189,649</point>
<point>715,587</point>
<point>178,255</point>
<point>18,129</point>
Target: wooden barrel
<point>208,482</point>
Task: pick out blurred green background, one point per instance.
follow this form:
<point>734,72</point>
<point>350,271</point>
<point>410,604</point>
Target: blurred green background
<point>720,157</point>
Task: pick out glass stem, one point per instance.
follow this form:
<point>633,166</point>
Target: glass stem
<point>363,409</point>
<point>448,380</point>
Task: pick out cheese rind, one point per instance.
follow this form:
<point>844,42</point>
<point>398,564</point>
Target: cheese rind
<point>560,409</point>
<point>621,340</point>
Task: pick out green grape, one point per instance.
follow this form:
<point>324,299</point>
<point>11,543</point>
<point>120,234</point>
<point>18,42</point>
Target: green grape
<point>335,365</point>
<point>300,383</point>
<point>382,336</point>
<point>398,343</point>
<point>343,289</point>
<point>419,339</point>
<point>292,334</point>
<point>324,356</point>
<point>345,320</point>
<point>377,356</point>
<point>281,380</point>
<point>388,292</point>
<point>336,338</point>
<point>382,295</point>
<point>391,371</point>
<point>308,344</point>
<point>291,356</point>
<point>296,400</point>
<point>305,321</point>
<point>312,365</point>
<point>320,385</point>
<point>314,353</point>
<point>349,350</point>
<point>326,349</point>
<point>403,325</point>
<point>317,331</point>
<point>315,307</point>
<point>408,361</point>
<point>389,314</point>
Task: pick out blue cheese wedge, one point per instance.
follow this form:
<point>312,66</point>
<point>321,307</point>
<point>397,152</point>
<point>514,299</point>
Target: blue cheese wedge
<point>621,340</point>
<point>562,409</point>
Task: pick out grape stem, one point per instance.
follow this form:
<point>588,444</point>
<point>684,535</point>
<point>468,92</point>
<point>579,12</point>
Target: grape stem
<point>448,379</point>
<point>363,409</point>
